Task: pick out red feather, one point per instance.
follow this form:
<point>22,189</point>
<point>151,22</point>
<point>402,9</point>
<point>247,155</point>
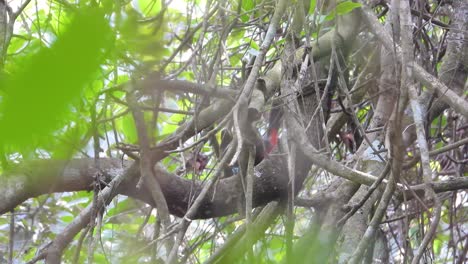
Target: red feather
<point>273,140</point>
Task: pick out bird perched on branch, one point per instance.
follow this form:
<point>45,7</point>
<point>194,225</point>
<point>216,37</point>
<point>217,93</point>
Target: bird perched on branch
<point>196,162</point>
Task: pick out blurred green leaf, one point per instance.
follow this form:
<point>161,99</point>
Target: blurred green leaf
<point>126,126</point>
<point>246,6</point>
<point>313,4</point>
<point>37,97</point>
<point>143,39</point>
<point>149,7</point>
<point>342,9</point>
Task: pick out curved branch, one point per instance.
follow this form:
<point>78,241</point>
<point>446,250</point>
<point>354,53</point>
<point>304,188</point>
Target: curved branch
<point>47,176</point>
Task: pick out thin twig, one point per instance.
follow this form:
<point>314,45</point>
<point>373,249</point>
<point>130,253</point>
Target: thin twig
<point>371,189</point>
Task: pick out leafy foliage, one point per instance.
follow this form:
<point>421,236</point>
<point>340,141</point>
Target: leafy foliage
<point>63,95</point>
<point>39,94</point>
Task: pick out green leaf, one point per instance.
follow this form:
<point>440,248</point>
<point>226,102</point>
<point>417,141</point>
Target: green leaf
<point>142,39</point>
<point>247,5</point>
<point>235,59</point>
<point>313,4</point>
<point>346,7</point>
<point>126,126</point>
<point>37,97</point>
<point>71,140</point>
<point>342,9</point>
<point>149,7</point>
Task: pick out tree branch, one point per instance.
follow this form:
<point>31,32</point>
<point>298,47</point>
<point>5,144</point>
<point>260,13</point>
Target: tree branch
<point>432,83</point>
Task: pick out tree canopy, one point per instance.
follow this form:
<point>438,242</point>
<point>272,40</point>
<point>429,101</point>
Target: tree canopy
<point>245,131</point>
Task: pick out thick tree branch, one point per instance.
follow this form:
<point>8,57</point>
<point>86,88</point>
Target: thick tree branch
<point>47,176</point>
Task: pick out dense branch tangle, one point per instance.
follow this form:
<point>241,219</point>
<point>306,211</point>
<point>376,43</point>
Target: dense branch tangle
<point>337,80</point>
